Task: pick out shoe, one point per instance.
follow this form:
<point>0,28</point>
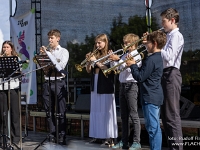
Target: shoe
<point>108,142</point>
<point>52,138</point>
<point>120,145</point>
<point>135,146</point>
<point>62,139</point>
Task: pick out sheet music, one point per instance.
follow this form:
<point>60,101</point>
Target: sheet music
<point>54,61</point>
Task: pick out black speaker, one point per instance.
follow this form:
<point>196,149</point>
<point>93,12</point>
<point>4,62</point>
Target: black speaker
<point>195,91</point>
<point>188,109</point>
<point>82,104</point>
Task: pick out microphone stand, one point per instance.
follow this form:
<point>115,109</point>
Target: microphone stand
<point>4,136</point>
<point>56,107</point>
<point>19,98</point>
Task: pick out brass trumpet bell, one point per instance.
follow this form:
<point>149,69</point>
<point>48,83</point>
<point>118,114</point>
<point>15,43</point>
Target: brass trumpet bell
<point>35,60</point>
<point>78,67</point>
<point>85,61</point>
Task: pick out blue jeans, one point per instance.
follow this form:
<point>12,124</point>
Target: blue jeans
<point>151,116</point>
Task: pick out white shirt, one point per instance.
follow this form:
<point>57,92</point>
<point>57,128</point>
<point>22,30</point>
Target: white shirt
<point>173,49</point>
<point>14,84</point>
<point>62,56</point>
<point>126,75</point>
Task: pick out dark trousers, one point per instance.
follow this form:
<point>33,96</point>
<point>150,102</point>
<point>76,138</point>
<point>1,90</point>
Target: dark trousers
<point>61,103</point>
<point>14,113</point>
<point>128,95</point>
<point>170,110</point>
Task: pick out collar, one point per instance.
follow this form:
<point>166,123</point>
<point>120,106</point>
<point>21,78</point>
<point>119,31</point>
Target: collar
<point>173,31</point>
<point>57,48</point>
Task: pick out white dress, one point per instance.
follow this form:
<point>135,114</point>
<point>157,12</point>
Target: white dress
<point>103,118</point>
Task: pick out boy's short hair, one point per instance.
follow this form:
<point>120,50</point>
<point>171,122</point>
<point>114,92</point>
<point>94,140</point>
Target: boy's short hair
<point>159,37</point>
<point>54,32</point>
<point>130,38</point>
<point>171,13</point>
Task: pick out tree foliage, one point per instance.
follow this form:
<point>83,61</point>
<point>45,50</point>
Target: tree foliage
<point>136,25</point>
<point>77,55</point>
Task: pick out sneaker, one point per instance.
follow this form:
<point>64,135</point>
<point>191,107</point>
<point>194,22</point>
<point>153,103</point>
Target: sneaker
<point>135,146</point>
<point>120,145</point>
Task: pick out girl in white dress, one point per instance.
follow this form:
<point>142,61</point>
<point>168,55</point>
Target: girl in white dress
<point>103,118</point>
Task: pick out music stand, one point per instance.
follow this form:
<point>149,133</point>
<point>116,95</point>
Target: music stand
<point>49,71</point>
<point>9,67</point>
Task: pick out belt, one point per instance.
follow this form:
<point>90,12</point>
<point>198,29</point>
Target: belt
<point>169,69</point>
<point>60,79</point>
<point>128,83</point>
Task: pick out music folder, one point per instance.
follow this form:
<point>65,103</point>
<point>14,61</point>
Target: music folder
<point>47,66</point>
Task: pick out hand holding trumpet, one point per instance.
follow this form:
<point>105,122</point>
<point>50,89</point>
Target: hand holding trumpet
<point>4,54</point>
<point>130,60</point>
<point>43,50</point>
<point>90,58</point>
<point>113,57</point>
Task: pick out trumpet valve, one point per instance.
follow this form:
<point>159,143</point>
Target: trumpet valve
<point>117,71</point>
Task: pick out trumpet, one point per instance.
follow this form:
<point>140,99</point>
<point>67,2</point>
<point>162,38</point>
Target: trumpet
<point>80,66</point>
<point>108,61</point>
<point>124,49</point>
<point>47,49</point>
<point>4,54</point>
<point>142,38</point>
<point>104,57</point>
<point>114,68</point>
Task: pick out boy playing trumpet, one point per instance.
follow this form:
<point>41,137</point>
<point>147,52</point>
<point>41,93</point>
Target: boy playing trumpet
<point>151,93</point>
<point>128,95</point>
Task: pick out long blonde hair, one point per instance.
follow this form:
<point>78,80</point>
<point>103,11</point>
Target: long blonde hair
<point>104,51</point>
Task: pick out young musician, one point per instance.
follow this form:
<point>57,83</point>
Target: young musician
<point>171,79</point>
<point>61,55</point>
<point>7,50</point>
<point>103,119</point>
<point>151,93</point>
<point>128,95</point>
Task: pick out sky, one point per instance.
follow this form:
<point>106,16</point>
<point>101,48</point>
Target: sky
<point>4,17</point>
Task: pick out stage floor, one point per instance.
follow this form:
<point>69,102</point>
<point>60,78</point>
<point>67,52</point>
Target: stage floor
<point>73,143</point>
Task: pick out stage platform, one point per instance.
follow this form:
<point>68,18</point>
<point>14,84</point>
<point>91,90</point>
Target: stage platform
<point>73,143</point>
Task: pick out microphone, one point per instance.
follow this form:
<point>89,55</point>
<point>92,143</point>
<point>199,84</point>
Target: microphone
<point>23,61</point>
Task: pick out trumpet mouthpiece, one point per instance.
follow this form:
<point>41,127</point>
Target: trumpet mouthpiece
<point>162,29</point>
